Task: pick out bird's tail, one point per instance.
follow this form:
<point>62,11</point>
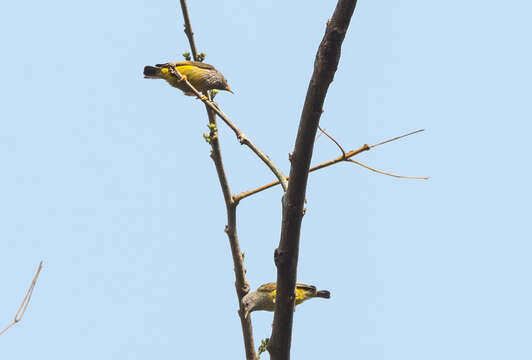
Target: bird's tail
<point>323,294</point>
<point>152,72</point>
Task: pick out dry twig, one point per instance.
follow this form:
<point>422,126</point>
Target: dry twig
<point>397,138</point>
<point>25,302</point>
<point>333,140</point>
<point>369,167</point>
<point>387,173</point>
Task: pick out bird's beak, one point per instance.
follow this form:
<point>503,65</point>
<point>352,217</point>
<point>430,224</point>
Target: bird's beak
<point>246,313</point>
<point>229,89</point>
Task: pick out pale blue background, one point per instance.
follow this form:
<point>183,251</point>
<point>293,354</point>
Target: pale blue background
<point>106,177</point>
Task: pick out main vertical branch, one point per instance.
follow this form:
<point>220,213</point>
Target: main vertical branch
<point>241,285</point>
<point>286,255</point>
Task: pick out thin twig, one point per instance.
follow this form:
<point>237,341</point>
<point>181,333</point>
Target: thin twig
<point>188,30</point>
<point>333,140</point>
<point>241,284</point>
<point>25,302</point>
<point>397,138</point>
<point>242,138</point>
<point>318,136</point>
<point>387,173</point>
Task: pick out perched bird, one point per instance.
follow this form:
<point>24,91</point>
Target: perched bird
<point>202,76</point>
<point>264,297</point>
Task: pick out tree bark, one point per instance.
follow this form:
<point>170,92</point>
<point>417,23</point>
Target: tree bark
<point>286,255</point>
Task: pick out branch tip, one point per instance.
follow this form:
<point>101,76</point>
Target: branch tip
<point>387,173</point>
<point>397,138</point>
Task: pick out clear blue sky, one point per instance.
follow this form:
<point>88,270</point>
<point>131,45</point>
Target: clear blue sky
<point>106,177</point>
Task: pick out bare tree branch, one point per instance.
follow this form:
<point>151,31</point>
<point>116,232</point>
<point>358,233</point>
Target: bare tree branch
<point>241,284</point>
<point>347,156</point>
<point>25,302</point>
<point>369,167</point>
<point>286,255</point>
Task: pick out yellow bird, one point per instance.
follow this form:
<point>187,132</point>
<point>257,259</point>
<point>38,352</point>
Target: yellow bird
<point>202,76</point>
<point>264,297</point>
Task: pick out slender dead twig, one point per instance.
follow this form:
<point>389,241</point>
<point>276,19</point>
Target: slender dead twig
<point>318,136</point>
<point>369,167</point>
<point>345,157</point>
<point>333,140</point>
<point>397,138</point>
<point>287,253</point>
<point>241,284</point>
<point>387,173</point>
<point>25,302</point>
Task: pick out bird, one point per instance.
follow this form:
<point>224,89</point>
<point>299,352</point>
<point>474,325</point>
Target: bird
<point>202,76</point>
<point>264,297</point>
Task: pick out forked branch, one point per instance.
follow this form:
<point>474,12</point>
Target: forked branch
<point>346,156</point>
<point>369,167</point>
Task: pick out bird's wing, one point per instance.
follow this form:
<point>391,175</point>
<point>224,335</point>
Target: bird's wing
<point>269,287</point>
<point>194,71</point>
<point>188,63</point>
<point>164,65</point>
<point>305,287</point>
